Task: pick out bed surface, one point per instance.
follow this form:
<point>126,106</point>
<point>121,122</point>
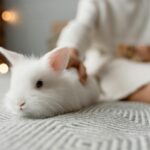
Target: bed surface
<point>106,126</point>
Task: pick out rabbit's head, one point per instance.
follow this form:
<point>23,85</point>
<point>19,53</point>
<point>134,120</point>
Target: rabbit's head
<point>36,86</point>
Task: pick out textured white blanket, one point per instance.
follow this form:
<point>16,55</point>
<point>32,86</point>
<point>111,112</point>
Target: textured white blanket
<point>105,126</point>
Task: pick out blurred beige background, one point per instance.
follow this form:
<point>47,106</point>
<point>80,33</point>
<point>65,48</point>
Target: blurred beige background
<point>33,29</point>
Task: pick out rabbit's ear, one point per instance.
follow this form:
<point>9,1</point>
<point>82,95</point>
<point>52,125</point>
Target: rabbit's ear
<point>9,57</point>
<point>57,59</point>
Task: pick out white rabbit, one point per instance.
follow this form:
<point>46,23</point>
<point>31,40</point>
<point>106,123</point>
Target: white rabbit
<point>42,87</point>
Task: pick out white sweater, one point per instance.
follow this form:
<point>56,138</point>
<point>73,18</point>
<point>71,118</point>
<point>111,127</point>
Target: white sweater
<point>107,23</point>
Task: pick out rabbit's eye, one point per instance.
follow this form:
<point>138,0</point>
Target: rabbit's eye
<point>39,84</point>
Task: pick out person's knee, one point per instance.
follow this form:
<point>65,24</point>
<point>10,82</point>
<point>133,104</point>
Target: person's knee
<point>141,95</point>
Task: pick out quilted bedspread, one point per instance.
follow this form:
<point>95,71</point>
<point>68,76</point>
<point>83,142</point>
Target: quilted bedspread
<point>105,126</point>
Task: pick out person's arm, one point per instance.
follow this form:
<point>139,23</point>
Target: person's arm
<point>77,34</point>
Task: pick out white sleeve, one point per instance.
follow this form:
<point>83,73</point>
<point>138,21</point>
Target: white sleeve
<point>77,34</point>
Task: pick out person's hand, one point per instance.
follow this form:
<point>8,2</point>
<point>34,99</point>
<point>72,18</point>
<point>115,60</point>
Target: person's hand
<point>140,53</point>
<point>143,52</point>
<point>75,62</point>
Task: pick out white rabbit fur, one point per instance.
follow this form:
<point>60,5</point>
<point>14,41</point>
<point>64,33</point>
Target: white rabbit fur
<point>61,92</point>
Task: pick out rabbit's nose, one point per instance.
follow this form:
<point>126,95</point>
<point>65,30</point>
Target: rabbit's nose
<point>21,104</point>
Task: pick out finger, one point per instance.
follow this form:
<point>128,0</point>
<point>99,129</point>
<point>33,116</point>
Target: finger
<point>73,63</point>
<point>82,73</point>
<point>76,63</point>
